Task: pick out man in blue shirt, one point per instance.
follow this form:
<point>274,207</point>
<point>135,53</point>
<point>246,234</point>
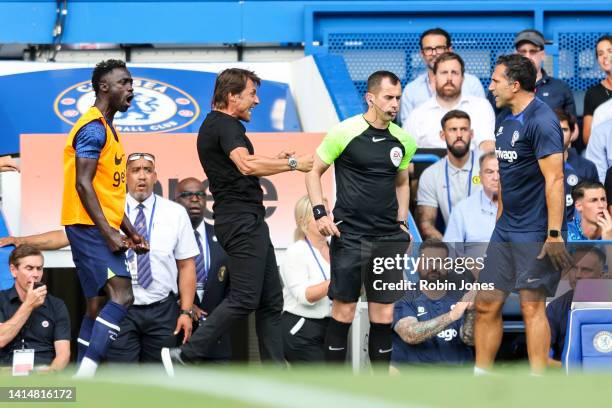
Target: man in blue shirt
<point>471,222</point>
<point>435,325</point>
<point>599,149</point>
<point>527,248</point>
<point>577,168</point>
<point>592,220</point>
<point>588,263</point>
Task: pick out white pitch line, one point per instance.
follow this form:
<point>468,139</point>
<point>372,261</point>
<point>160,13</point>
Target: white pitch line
<point>258,391</point>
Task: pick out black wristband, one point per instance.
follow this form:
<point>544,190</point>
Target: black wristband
<point>400,222</point>
<point>318,211</point>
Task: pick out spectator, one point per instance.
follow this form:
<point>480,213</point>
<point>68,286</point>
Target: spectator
<point>435,326</point>
<point>424,121</point>
<point>601,92</point>
<point>592,220</point>
<point>599,149</point>
<point>305,275</point>
<point>555,92</point>
<point>7,163</point>
<point>448,181</point>
<point>30,318</point>
<point>588,263</point>
<point>577,168</point>
<point>212,283</point>
<point>433,42</point>
<point>472,220</point>
<point>602,113</point>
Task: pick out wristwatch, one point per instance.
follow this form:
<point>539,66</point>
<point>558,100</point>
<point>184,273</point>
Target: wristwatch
<point>553,233</point>
<point>186,312</point>
<point>292,162</point>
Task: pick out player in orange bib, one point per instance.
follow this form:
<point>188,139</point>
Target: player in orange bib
<point>93,213</point>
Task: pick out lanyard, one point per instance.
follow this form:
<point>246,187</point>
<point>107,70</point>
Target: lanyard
<point>448,186</point>
<point>148,237</point>
<point>315,257</point>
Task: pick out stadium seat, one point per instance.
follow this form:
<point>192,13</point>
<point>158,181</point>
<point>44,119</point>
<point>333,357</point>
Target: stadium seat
<point>588,345</point>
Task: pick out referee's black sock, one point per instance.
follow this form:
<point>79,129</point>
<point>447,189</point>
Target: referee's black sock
<point>335,341</point>
<point>379,347</point>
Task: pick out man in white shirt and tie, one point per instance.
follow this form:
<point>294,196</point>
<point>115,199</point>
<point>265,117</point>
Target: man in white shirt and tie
<point>161,278</point>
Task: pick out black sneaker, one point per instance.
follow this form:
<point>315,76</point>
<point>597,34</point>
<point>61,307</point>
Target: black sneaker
<point>170,357</point>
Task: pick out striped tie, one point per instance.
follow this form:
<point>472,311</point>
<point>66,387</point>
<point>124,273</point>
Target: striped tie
<point>144,263</point>
<point>201,272</point>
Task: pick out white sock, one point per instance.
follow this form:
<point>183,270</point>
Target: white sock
<point>87,369</point>
<point>480,371</point>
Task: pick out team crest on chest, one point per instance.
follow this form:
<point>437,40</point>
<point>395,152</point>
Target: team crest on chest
<point>515,137</point>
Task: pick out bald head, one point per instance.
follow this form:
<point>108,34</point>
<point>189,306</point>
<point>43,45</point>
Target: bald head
<point>191,195</point>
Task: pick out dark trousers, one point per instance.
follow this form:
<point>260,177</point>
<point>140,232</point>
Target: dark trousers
<point>304,338</point>
<point>254,286</point>
<point>144,331</point>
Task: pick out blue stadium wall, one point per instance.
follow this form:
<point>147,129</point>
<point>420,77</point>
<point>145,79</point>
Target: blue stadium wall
<point>369,35</point>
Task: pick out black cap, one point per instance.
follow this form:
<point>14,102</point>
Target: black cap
<point>532,36</point>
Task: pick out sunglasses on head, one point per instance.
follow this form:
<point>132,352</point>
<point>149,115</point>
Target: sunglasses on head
<point>138,156</point>
<point>189,194</point>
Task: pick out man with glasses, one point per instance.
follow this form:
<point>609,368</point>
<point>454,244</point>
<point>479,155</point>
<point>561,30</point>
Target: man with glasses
<point>93,212</point>
<point>555,92</point>
<point>434,42</point>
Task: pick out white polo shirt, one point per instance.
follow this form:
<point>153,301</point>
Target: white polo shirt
<point>171,238</point>
<point>433,188</point>
<point>423,123</point>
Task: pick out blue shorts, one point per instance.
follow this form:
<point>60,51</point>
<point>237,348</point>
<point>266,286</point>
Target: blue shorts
<point>94,260</point>
<point>511,263</point>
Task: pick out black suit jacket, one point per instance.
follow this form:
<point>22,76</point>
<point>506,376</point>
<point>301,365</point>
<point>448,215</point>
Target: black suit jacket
<point>217,286</point>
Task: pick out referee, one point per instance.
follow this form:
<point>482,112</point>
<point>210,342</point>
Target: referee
<point>371,156</point>
<point>233,171</point>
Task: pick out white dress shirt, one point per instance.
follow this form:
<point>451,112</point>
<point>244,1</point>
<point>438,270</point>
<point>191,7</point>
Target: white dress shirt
<point>299,270</point>
<point>170,239</point>
<point>419,90</point>
<point>423,123</point>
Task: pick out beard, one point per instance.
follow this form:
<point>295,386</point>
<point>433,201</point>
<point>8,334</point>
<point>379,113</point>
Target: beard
<point>457,150</point>
<point>448,92</point>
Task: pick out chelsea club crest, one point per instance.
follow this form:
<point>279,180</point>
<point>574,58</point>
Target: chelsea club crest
<point>157,106</point>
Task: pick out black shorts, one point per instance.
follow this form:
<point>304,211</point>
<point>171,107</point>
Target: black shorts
<point>354,262</point>
<point>511,263</point>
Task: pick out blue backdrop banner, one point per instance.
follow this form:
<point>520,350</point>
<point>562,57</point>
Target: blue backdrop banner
<point>166,100</point>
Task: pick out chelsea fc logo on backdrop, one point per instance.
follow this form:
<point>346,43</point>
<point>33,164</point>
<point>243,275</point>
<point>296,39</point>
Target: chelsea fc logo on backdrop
<point>156,107</point>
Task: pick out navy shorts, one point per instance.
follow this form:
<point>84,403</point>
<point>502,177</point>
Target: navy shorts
<point>351,267</point>
<point>93,258</point>
<point>511,263</point>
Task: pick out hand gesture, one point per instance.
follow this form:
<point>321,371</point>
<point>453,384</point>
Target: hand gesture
<point>460,307</point>
<point>285,155</point>
<point>35,297</point>
<point>7,163</point>
<point>605,224</point>
<point>6,241</point>
<point>327,227</point>
<point>138,244</point>
<point>184,323</point>
<point>198,313</point>
<point>305,163</point>
<point>555,249</point>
